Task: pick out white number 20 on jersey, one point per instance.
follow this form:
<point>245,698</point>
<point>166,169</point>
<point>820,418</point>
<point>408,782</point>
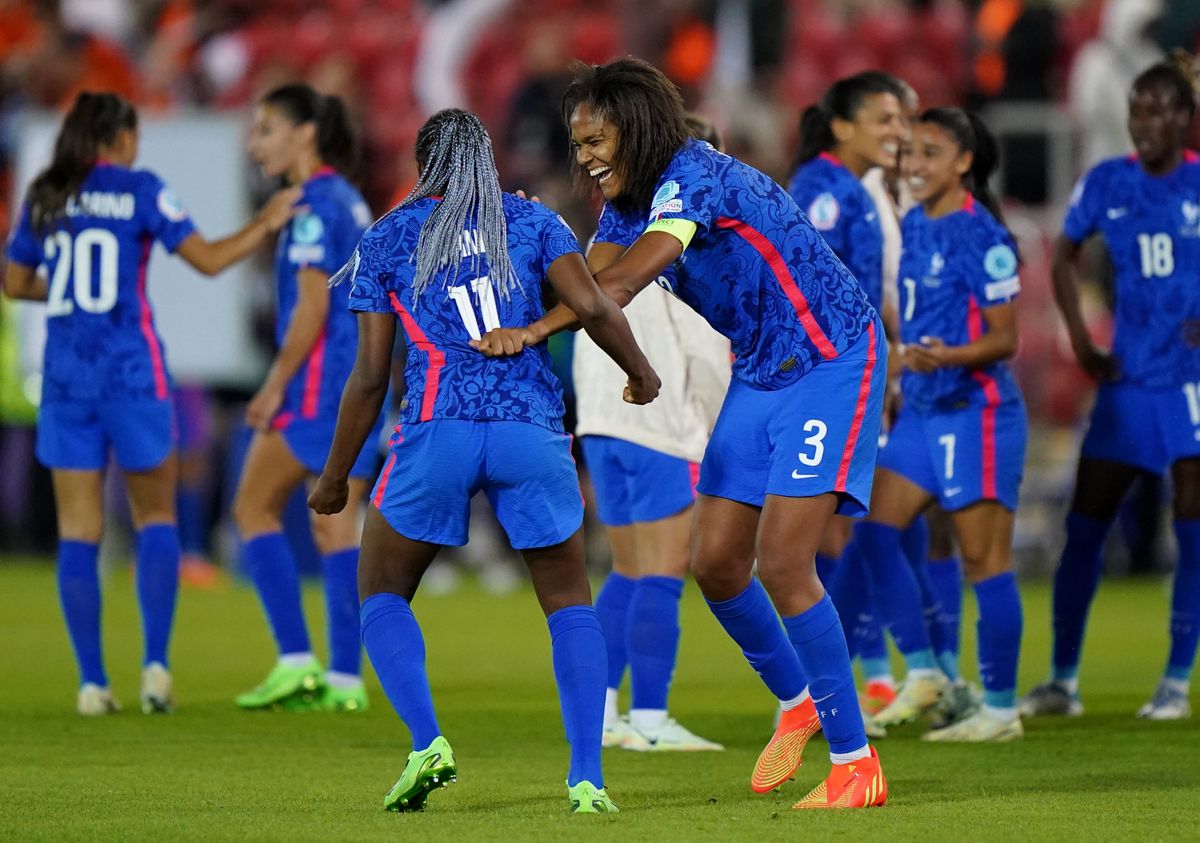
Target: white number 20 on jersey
<point>486,294</point>
<point>90,248</point>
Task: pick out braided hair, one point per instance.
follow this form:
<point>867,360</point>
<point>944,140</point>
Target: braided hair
<point>454,156</point>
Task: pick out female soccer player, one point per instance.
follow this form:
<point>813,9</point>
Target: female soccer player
<point>960,436</point>
<point>1147,411</point>
<point>643,462</point>
<point>305,138</point>
<point>82,245</point>
<point>804,336</point>
<point>458,258</point>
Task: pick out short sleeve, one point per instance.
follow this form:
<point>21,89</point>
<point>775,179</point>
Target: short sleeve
<point>24,246</point>
<point>615,227</point>
<point>310,240</point>
<point>557,240</point>
<point>369,276</point>
<point>688,189</point>
<point>1082,217</point>
<point>163,214</point>
<point>995,277</point>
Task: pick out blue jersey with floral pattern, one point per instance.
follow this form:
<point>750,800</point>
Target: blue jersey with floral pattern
<point>951,269</point>
<point>444,377</point>
<point>1151,225</point>
<point>322,238</point>
<point>838,206</point>
<point>756,269</point>
<point>101,343</point>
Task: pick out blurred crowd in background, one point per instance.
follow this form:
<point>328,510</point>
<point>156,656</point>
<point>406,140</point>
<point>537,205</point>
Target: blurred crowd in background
<point>1050,76</point>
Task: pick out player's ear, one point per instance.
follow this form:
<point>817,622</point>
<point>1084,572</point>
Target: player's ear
<point>962,164</point>
<point>843,130</point>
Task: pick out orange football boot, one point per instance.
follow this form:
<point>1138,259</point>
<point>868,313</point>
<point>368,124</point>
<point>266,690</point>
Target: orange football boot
<point>859,784</point>
<point>782,755</point>
<point>877,696</point>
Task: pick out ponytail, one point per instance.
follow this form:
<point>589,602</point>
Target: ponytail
<point>843,99</point>
<point>816,134</point>
<point>93,121</point>
<point>335,140</point>
<point>972,135</point>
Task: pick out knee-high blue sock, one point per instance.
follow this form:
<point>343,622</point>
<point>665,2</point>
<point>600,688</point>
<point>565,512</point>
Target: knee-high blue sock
<point>273,569</point>
<point>999,634</point>
<point>851,596</point>
<point>898,594</point>
<point>931,609</point>
<point>1185,601</point>
<point>577,645</point>
<point>818,640</point>
<point>397,650</point>
<point>653,640</point>
<point>946,579</point>
<point>1075,584</point>
<point>339,572</point>
<point>189,504</point>
<point>826,569</point>
<point>157,587</point>
<point>612,608</point>
<point>751,621</point>
<point>79,593</point>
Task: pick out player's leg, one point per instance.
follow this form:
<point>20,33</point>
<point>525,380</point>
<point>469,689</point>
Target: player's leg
<point>946,581</point>
<point>269,477</point>
<point>337,538</point>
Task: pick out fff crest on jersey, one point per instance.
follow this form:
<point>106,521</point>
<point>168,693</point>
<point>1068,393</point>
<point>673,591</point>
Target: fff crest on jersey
<point>1191,219</point>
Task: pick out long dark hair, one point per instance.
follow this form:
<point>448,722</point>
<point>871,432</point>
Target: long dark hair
<point>972,135</point>
<point>647,111</point>
<point>336,143</point>
<point>842,99</point>
<point>93,121</point>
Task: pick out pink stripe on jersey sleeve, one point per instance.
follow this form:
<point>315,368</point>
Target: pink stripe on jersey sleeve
<point>860,411</point>
<point>436,358</point>
<point>779,268</point>
<point>147,325</point>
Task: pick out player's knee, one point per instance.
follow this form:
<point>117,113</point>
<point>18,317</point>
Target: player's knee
<point>720,578</point>
<point>81,527</point>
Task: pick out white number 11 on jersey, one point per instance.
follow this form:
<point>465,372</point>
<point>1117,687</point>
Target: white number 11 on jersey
<point>486,293</point>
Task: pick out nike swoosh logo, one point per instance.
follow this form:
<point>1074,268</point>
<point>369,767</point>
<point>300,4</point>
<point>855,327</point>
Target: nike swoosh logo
<point>1117,213</point>
<point>796,475</point>
<point>822,699</point>
<point>952,492</point>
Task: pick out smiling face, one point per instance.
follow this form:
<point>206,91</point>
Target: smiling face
<point>595,142</point>
<point>276,143</point>
<point>873,137</point>
<point>933,163</point>
<point>1158,123</point>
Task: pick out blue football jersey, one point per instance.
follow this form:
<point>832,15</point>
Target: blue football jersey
<point>323,238</point>
<point>445,378</point>
<point>101,343</point>
<point>623,229</point>
<point>1151,225</point>
<point>756,269</point>
<point>951,268</point>
<point>838,206</point>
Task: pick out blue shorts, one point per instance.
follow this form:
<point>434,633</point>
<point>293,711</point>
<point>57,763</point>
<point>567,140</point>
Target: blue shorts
<point>1150,429</point>
<point>961,457</point>
<point>77,435</point>
<point>309,441</point>
<point>816,436</point>
<point>636,484</point>
<point>434,468</point>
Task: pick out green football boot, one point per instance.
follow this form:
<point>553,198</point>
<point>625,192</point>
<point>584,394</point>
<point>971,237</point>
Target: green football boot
<point>345,699</point>
<point>425,771</point>
<point>586,798</point>
<point>283,683</point>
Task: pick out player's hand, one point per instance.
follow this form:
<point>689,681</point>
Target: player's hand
<point>929,356</point>
<point>281,207</point>
<point>1099,364</point>
<point>521,193</point>
<point>642,390</point>
<point>504,342</point>
<point>263,407</point>
<point>329,495</point>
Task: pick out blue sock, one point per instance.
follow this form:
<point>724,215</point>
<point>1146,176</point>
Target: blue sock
<point>157,587</point>
<point>1185,601</point>
<point>612,608</point>
<point>577,646</point>
<point>79,592</point>
<point>931,610</point>
<point>273,569</point>
<point>1075,584</point>
<point>899,596</point>
<point>852,598</point>
<point>826,568</point>
<point>653,640</point>
<point>999,634</point>
<point>946,579</point>
<point>751,621</point>
<point>818,640</point>
<point>189,504</point>
<point>397,649</point>
<point>339,572</point>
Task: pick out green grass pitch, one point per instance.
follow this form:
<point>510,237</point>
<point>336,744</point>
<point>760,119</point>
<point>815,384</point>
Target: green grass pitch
<point>210,772</point>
